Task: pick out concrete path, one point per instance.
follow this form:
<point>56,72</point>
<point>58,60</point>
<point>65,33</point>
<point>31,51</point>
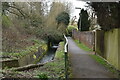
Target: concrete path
<point>83,66</point>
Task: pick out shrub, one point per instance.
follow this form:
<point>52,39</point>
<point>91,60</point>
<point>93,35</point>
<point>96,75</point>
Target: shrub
<point>70,29</point>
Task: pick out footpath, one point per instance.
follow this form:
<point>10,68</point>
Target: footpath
<point>83,66</point>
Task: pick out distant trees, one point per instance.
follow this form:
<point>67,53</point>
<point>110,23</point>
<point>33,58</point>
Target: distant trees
<point>107,14</point>
<point>83,22</point>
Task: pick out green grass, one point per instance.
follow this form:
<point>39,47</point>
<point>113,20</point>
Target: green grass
<point>59,53</point>
<point>99,60</point>
<point>104,63</point>
<point>82,46</point>
<point>42,76</point>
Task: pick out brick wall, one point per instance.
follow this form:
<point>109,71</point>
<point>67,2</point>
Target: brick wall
<point>86,37</point>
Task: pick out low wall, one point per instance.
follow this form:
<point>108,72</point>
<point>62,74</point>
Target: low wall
<point>31,58</point>
<point>75,34</point>
<point>10,63</point>
<point>108,45</point>
<point>86,37</point>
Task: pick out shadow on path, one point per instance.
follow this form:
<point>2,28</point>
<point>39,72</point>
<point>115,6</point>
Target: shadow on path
<point>83,66</point>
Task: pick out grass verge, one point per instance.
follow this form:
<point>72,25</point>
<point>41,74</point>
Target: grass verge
<point>82,46</point>
<point>105,64</point>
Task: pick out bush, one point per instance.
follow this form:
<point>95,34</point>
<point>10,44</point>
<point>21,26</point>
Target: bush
<point>70,29</point>
<point>63,17</point>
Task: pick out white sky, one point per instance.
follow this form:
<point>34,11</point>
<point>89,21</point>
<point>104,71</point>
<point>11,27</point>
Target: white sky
<point>80,4</point>
<point>75,3</point>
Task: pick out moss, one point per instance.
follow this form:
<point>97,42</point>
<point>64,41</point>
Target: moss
<point>44,47</point>
<point>36,61</point>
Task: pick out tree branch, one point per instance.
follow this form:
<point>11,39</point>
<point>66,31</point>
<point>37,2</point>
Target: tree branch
<point>13,12</point>
<point>20,11</point>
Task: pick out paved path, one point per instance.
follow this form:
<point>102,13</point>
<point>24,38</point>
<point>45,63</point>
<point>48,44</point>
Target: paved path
<point>83,66</point>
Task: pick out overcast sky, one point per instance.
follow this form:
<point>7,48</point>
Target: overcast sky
<point>80,4</point>
<point>75,3</point>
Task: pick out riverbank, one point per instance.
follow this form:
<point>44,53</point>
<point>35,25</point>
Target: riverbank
<point>53,69</point>
<point>30,55</point>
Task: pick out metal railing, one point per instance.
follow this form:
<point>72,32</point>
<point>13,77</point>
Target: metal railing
<point>66,57</point>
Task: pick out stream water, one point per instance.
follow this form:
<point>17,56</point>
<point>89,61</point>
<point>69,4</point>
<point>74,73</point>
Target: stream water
<point>49,56</point>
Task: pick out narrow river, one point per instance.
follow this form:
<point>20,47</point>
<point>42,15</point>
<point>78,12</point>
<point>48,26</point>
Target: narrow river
<point>49,56</point>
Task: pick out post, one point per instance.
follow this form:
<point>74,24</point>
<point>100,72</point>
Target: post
<point>66,68</point>
<point>66,57</point>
